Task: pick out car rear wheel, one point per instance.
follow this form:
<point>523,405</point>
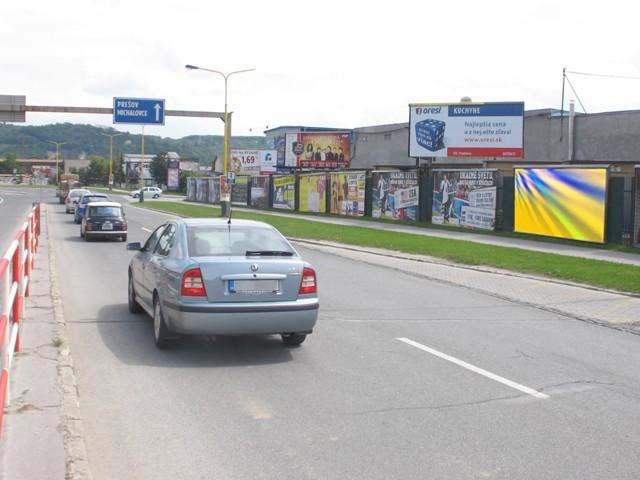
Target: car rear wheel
<point>161,333</point>
<point>293,339</point>
<point>123,238</point>
<point>134,306</point>
<point>156,196</point>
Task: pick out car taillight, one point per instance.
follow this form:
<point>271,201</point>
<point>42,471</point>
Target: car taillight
<point>308,283</point>
<point>89,226</point>
<point>124,225</point>
<point>192,284</point>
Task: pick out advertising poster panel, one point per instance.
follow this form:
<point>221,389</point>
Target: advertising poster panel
<point>202,189</point>
<point>240,191</point>
<point>132,170</point>
<point>465,198</point>
<point>636,236</point>
<point>347,193</point>
<point>225,189</point>
<point>561,202</point>
<point>214,189</point>
<point>279,144</point>
<point>396,195</point>
<point>191,189</point>
<point>284,192</point>
<point>318,150</point>
<point>173,175</point>
<point>313,197</point>
<point>466,130</point>
<point>260,192</point>
<point>253,162</point>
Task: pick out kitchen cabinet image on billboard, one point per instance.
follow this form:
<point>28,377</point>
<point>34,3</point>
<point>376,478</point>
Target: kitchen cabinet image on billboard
<point>396,195</point>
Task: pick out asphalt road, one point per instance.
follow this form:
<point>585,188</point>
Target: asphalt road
<point>354,402</point>
<point>15,203</point>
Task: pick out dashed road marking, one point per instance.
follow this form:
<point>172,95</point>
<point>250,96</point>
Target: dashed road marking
<point>473,368</point>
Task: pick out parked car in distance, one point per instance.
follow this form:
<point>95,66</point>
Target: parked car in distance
<point>72,199</point>
<point>211,277</point>
<point>149,192</point>
<point>84,200</point>
<point>103,219</point>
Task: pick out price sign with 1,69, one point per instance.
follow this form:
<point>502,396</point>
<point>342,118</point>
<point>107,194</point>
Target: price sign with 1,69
<point>245,162</point>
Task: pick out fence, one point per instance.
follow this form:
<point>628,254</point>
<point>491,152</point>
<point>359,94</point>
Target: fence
<point>483,199</point>
<point>15,273</point>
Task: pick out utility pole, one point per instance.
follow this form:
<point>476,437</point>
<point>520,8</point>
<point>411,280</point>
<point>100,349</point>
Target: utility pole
<point>57,144</point>
<point>111,156</point>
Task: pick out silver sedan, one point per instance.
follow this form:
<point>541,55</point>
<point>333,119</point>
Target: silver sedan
<point>215,277</point>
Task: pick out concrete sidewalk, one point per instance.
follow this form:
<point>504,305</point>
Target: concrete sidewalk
<point>32,442</point>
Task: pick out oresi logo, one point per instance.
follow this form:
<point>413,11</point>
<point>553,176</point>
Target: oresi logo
<point>428,110</point>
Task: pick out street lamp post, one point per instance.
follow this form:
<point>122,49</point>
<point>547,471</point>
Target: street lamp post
<point>111,156</point>
<point>57,144</point>
<point>225,206</point>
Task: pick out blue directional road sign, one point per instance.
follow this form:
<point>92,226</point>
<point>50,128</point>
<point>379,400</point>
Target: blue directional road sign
<point>138,111</point>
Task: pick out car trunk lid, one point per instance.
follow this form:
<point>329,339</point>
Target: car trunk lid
<point>251,279</point>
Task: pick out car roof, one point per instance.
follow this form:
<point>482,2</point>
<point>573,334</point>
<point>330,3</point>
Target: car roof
<point>104,204</point>
<point>76,190</point>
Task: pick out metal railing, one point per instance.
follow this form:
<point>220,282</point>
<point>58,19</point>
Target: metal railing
<point>15,272</point>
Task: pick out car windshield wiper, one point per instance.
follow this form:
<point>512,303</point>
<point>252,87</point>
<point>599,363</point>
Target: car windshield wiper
<point>270,253</point>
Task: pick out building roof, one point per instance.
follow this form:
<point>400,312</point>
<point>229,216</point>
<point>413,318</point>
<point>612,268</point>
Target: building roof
<point>302,128</point>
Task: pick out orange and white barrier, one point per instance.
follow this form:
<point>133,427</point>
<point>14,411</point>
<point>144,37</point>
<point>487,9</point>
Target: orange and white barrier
<point>15,273</point>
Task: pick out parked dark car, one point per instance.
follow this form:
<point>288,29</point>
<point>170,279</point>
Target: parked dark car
<point>104,220</point>
<point>86,198</point>
<point>211,277</point>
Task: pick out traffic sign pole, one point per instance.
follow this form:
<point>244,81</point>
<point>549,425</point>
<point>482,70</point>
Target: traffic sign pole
<point>141,179</point>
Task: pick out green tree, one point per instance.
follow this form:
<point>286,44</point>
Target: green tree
<point>96,173</point>
<point>9,164</point>
<point>158,168</point>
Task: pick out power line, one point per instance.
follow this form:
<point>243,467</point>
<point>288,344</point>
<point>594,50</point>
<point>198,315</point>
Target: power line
<point>603,75</point>
<point>576,93</point>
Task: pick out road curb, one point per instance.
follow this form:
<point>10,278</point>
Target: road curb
<point>71,427</point>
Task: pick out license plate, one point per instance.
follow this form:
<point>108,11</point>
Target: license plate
<point>107,226</point>
<point>253,286</point>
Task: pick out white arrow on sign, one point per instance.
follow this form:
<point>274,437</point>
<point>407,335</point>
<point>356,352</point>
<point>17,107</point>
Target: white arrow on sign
<point>157,108</point>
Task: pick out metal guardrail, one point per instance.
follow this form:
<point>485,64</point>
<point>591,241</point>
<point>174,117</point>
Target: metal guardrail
<point>15,272</point>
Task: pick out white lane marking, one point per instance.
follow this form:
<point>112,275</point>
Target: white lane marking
<point>473,368</point>
<point>1,200</point>
<point>146,230</point>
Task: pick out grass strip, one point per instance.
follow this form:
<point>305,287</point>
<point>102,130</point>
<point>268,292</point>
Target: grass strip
<point>600,273</point>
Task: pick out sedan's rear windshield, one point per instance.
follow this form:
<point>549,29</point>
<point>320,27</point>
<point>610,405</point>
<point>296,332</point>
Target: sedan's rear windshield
<point>76,194</point>
<point>106,212</point>
<point>93,198</point>
<point>211,241</point>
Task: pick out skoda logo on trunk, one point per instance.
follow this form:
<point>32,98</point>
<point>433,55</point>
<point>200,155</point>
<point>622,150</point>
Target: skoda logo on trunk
<point>254,267</point>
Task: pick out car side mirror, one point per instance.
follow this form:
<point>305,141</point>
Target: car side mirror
<point>134,246</point>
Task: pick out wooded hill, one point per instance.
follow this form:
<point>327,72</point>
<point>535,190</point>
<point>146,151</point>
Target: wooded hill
<point>32,142</point>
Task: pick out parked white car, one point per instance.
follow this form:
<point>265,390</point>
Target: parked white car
<point>149,192</point>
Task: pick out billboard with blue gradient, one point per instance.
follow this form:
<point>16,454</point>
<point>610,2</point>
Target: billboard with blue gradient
<point>561,202</point>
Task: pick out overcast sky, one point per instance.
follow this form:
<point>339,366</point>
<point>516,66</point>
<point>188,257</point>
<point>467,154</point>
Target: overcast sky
<point>325,63</point>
